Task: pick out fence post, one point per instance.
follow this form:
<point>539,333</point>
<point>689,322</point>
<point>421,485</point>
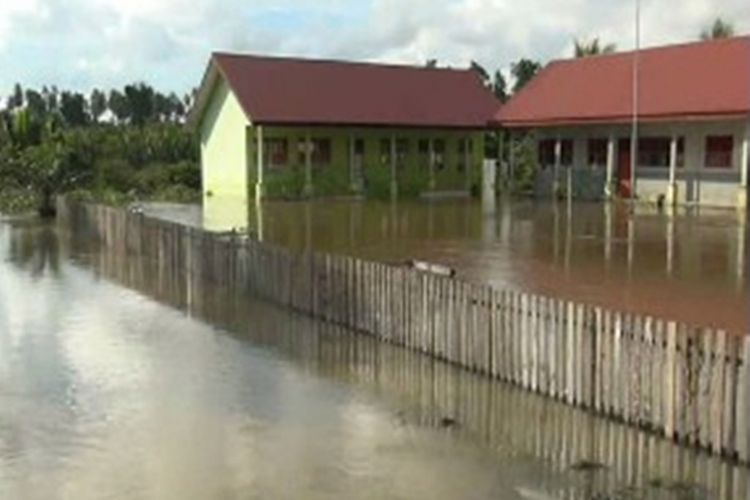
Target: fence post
<point>743,403</point>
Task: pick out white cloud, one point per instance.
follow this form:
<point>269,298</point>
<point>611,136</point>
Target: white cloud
<point>81,43</point>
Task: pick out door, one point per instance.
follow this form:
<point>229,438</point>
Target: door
<point>624,169</point>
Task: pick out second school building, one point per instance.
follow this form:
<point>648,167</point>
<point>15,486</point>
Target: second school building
<point>692,104</point>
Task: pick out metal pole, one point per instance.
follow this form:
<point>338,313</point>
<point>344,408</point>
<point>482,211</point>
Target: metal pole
<point>634,135</point>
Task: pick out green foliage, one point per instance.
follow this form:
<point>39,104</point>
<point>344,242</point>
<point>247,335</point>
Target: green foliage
<point>523,71</point>
<point>288,183</point>
<point>593,47</point>
<point>378,183</point>
<point>718,30</point>
<point>52,142</point>
<point>525,163</point>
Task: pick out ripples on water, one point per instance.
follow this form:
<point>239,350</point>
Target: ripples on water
<point>115,382</point>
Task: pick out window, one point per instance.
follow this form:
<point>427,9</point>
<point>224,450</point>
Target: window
<point>276,151</point>
<point>321,151</point>
<point>719,151</point>
<point>385,152</point>
<point>546,152</point>
<point>597,152</point>
<point>402,150</point>
<point>566,156</point>
<point>359,147</point>
<point>655,151</point>
<point>464,150</point>
<point>423,150</point>
<point>439,150</point>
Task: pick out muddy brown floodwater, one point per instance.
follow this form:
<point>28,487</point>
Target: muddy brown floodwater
<point>121,378</point>
<point>689,266</point>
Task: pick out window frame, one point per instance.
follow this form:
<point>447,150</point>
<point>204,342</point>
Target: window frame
<point>596,157</point>
<point>727,155</point>
<point>666,144</point>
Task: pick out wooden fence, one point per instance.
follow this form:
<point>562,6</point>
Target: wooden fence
<point>686,383</point>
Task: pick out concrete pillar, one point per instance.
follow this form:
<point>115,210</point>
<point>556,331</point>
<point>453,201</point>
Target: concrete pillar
<point>558,164</point>
<point>308,189</point>
<point>394,175</point>
<point>489,174</point>
<point>431,164</point>
<point>609,186</point>
<point>467,164</point>
<point>259,163</point>
<point>672,184</point>
<point>353,181</point>
<point>500,174</point>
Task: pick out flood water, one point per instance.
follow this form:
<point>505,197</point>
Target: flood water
<point>689,266</point>
<point>119,380</point>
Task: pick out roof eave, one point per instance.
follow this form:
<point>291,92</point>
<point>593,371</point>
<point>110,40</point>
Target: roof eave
<point>620,120</point>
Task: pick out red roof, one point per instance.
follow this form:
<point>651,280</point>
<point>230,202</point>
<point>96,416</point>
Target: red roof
<point>274,90</point>
<point>691,81</point>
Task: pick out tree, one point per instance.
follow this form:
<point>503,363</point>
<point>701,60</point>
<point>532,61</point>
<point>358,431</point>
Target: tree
<point>36,103</point>
<point>523,71</point>
<point>73,109</point>
<point>51,97</point>
<point>431,63</point>
<point>15,101</point>
<point>140,101</point>
<point>118,104</point>
<point>483,75</point>
<point>97,104</point>
<point>500,86</point>
<point>719,29</point>
<point>178,108</point>
<point>592,48</point>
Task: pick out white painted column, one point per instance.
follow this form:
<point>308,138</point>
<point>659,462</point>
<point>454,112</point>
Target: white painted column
<point>308,189</point>
<point>609,187</point>
<point>558,163</point>
<point>431,164</point>
<point>500,173</point>
<point>672,184</point>
<point>744,166</point>
<point>353,181</point>
<point>467,164</point>
<point>394,178</point>
<point>259,163</point>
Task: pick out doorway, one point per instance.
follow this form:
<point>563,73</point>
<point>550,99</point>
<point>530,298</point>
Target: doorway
<point>624,169</point>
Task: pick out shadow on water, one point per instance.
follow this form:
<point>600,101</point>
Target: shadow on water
<point>34,246</point>
<point>600,459</point>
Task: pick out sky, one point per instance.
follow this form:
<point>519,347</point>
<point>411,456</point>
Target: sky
<point>81,44</point>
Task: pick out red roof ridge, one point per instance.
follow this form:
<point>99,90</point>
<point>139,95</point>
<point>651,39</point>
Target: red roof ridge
<point>324,60</point>
<point>653,48</point>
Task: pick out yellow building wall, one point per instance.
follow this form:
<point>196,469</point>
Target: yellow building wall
<point>224,146</point>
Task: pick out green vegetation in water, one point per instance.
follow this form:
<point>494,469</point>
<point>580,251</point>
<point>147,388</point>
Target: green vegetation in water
<point>55,142</point>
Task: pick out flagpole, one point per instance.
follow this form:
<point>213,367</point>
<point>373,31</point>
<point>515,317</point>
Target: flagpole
<point>636,97</point>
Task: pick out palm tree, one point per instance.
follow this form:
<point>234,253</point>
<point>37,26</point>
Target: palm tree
<point>592,48</point>
<point>719,29</point>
